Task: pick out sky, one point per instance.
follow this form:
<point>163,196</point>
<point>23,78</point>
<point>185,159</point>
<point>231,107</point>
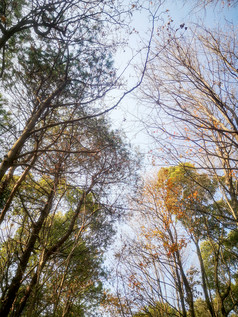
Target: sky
<point>130,59</point>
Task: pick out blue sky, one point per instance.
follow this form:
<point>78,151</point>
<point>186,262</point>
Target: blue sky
<point>125,116</point>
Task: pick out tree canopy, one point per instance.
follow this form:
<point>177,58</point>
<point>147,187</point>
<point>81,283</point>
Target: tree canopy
<point>66,176</point>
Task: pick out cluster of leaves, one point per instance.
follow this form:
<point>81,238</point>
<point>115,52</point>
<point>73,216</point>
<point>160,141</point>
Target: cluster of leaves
<point>177,212</point>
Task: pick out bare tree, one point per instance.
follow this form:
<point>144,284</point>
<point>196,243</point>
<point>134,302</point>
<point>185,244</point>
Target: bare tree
<point>193,83</point>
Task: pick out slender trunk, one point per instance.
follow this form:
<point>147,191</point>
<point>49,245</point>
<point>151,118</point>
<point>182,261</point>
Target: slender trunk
<point>47,255</point>
<point>16,281</point>
<point>66,270</point>
<point>15,188</point>
<point>187,287</point>
<point>4,185</point>
<point>221,297</point>
<point>204,284</point>
<point>16,148</point>
<point>180,288</point>
<point>179,275</point>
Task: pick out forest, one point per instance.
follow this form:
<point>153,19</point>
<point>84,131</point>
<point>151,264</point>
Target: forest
<point>75,194</point>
